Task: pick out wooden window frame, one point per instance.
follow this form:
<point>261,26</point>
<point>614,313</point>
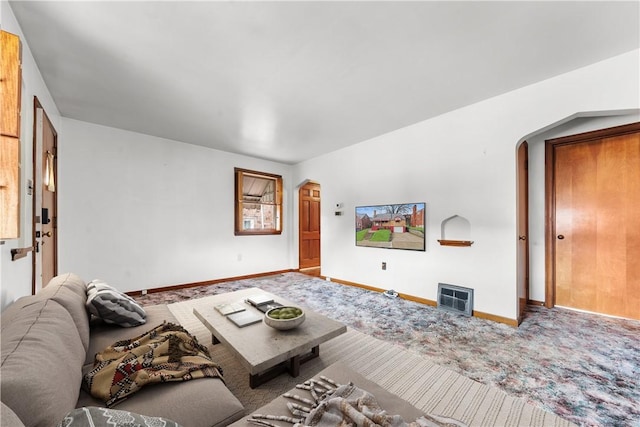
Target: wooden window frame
<point>240,202</point>
<point>10,101</point>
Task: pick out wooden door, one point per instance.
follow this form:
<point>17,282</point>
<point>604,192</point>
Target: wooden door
<point>309,227</point>
<point>46,207</point>
<point>595,230</point>
<point>523,229</point>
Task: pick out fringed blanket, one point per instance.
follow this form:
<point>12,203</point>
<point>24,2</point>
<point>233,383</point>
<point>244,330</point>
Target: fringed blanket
<point>334,405</point>
<point>166,353</point>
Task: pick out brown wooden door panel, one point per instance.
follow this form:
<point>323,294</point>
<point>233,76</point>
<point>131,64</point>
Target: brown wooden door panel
<point>597,225</point>
<point>309,228</point>
<point>523,229</point>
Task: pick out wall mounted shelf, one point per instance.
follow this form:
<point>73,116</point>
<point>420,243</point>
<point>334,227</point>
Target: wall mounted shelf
<point>18,253</point>
<point>455,242</point>
<point>459,228</point>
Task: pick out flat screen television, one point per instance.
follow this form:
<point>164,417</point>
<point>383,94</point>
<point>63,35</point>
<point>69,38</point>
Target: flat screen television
<point>395,226</point>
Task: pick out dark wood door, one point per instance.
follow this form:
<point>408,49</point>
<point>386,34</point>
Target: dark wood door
<point>595,236</point>
<point>523,228</point>
<point>309,228</point>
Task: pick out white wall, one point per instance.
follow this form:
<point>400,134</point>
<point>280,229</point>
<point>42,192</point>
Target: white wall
<point>537,188</point>
<point>144,212</point>
<point>464,163</point>
<point>15,276</point>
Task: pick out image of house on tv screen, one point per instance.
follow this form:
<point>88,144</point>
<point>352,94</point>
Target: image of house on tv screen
<point>399,226</point>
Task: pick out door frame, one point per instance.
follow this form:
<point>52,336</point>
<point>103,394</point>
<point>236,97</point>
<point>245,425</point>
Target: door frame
<point>550,205</point>
<point>37,159</point>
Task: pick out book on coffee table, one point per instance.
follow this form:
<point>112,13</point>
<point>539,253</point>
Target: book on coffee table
<point>244,318</point>
<point>268,306</point>
<point>259,299</point>
<point>229,308</point>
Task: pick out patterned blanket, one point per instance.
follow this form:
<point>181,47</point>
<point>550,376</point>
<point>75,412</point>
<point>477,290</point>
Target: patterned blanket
<point>334,405</point>
<point>165,353</point>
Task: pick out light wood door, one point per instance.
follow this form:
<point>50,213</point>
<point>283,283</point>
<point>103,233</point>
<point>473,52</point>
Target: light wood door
<point>46,207</point>
<point>309,228</point>
<point>596,235</point>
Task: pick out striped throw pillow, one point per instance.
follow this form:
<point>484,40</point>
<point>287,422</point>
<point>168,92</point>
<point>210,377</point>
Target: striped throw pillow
<point>113,306</point>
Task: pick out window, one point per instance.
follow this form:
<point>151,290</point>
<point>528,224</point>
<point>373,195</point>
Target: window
<point>258,208</point>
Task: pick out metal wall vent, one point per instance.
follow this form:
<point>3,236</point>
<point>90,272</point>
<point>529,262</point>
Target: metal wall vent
<point>455,298</point>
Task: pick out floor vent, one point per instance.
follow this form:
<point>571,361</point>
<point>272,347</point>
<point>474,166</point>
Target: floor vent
<point>455,298</point>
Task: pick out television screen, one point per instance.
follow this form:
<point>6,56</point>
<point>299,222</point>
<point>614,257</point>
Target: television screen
<point>399,226</point>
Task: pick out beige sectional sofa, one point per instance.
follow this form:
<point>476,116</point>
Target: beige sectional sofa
<point>49,341</point>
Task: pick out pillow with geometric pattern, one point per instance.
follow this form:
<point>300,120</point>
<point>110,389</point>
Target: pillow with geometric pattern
<point>104,417</point>
<point>113,306</point>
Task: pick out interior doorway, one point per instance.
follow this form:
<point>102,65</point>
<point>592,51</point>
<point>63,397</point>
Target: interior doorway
<point>309,228</point>
<point>45,204</point>
<point>592,239</point>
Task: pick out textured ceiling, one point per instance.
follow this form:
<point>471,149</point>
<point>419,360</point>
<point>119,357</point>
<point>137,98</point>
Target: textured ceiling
<point>288,81</point>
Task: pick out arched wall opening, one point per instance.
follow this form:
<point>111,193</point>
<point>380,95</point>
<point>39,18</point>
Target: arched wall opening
<point>571,125</point>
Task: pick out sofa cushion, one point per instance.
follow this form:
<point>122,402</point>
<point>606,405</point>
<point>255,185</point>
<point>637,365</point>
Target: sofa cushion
<point>105,334</point>
<point>102,417</point>
<point>203,402</point>
<point>69,281</point>
<point>9,418</point>
<point>113,306</point>
<point>41,363</point>
<point>61,288</point>
<point>14,310</point>
<point>70,291</point>
<point>342,374</point>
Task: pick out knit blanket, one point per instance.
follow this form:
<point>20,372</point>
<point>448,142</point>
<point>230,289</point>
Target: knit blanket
<point>166,353</point>
<point>335,405</point>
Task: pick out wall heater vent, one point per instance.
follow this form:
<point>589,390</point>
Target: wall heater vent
<point>455,298</point>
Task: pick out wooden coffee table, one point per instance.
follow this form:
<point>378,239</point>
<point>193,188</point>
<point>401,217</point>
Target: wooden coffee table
<point>264,351</point>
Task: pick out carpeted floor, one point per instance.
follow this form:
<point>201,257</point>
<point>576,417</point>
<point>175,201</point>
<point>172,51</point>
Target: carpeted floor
<point>432,388</point>
<point>584,368</point>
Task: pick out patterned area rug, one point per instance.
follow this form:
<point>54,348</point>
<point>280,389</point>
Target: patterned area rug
<point>584,368</point>
<point>432,388</point>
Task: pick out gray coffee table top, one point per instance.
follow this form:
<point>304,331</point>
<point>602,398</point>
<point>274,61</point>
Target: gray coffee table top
<point>258,346</point>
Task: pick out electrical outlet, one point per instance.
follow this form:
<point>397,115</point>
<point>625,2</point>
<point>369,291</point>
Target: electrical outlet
<point>144,292</point>
<point>384,265</point>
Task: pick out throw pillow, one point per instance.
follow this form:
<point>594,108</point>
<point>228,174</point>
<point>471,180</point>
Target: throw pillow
<point>113,306</point>
<point>104,417</point>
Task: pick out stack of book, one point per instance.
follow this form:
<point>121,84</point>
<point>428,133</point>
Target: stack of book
<point>263,302</point>
<point>229,308</point>
<point>244,318</point>
<point>240,316</point>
